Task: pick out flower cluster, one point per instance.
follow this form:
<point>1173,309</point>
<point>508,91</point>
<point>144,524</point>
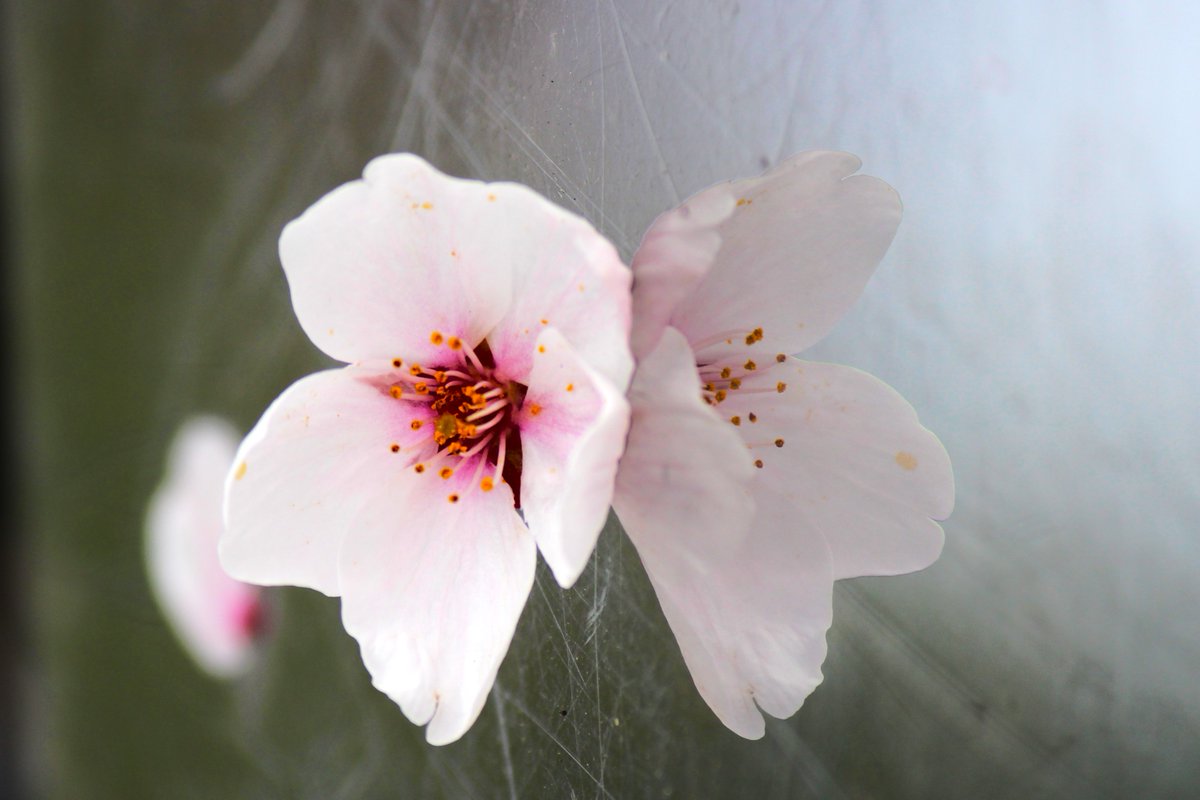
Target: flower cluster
<point>506,379</point>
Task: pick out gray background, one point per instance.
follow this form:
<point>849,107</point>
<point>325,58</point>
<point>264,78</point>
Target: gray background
<point>1037,308</point>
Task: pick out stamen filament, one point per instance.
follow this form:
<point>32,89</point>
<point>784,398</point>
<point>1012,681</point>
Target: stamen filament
<point>488,409</point>
<point>491,423</point>
<point>735,335</point>
<point>500,458</point>
<point>478,446</point>
<point>469,352</point>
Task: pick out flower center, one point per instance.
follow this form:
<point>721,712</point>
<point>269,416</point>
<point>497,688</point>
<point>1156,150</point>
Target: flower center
<point>740,375</point>
<point>471,425</point>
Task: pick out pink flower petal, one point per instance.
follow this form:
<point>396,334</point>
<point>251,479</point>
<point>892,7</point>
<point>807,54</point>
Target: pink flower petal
<point>751,624</point>
<point>855,462</point>
<point>683,489</point>
<point>570,278</point>
<point>676,253</point>
<point>379,264</point>
<point>214,616</point>
<point>749,615</point>
<point>844,479</point>
<point>747,595</point>
<point>433,592</point>
<point>795,253</point>
<point>322,448</point>
<point>573,425</point>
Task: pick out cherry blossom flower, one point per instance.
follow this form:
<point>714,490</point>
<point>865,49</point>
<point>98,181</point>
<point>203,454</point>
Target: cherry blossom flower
<point>752,480</point>
<point>215,617</point>
<point>485,332</point>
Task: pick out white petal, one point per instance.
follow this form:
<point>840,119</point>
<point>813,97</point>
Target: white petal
<point>570,450</point>
<point>683,486</point>
<point>856,463</point>
<point>796,252</point>
<point>432,591</point>
<point>377,265</point>
<point>321,450</point>
<point>570,278</point>
<point>214,616</point>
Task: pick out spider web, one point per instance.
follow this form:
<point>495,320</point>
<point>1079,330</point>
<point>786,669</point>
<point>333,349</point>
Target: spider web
<point>1032,309</point>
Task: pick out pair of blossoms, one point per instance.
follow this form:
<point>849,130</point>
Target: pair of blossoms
<point>508,379</point>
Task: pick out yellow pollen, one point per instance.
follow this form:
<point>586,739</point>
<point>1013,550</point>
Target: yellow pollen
<point>419,468</point>
<point>725,373</point>
<point>427,205</point>
<point>906,460</point>
<point>491,198</point>
<point>415,424</point>
<point>446,472</point>
<point>396,392</point>
<point>581,287</point>
<point>534,409</point>
<point>440,376</point>
<point>779,442</point>
<point>570,387</point>
<point>779,387</point>
<point>750,366</point>
<point>545,322</point>
<point>241,472</point>
<point>454,343</point>
<point>414,369</point>
<point>421,388</point>
<point>395,448</point>
<point>780,358</point>
<point>453,498</point>
<point>758,463</point>
<point>720,395</point>
<point>708,387</point>
<point>736,383</point>
<point>453,253</point>
<point>541,348</point>
<point>744,201</point>
<point>396,363</point>
<point>753,417</point>
<point>736,420</point>
<point>436,337</point>
<point>486,484</point>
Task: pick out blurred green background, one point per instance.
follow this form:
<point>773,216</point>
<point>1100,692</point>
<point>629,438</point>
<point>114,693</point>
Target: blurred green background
<point>1033,309</point>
